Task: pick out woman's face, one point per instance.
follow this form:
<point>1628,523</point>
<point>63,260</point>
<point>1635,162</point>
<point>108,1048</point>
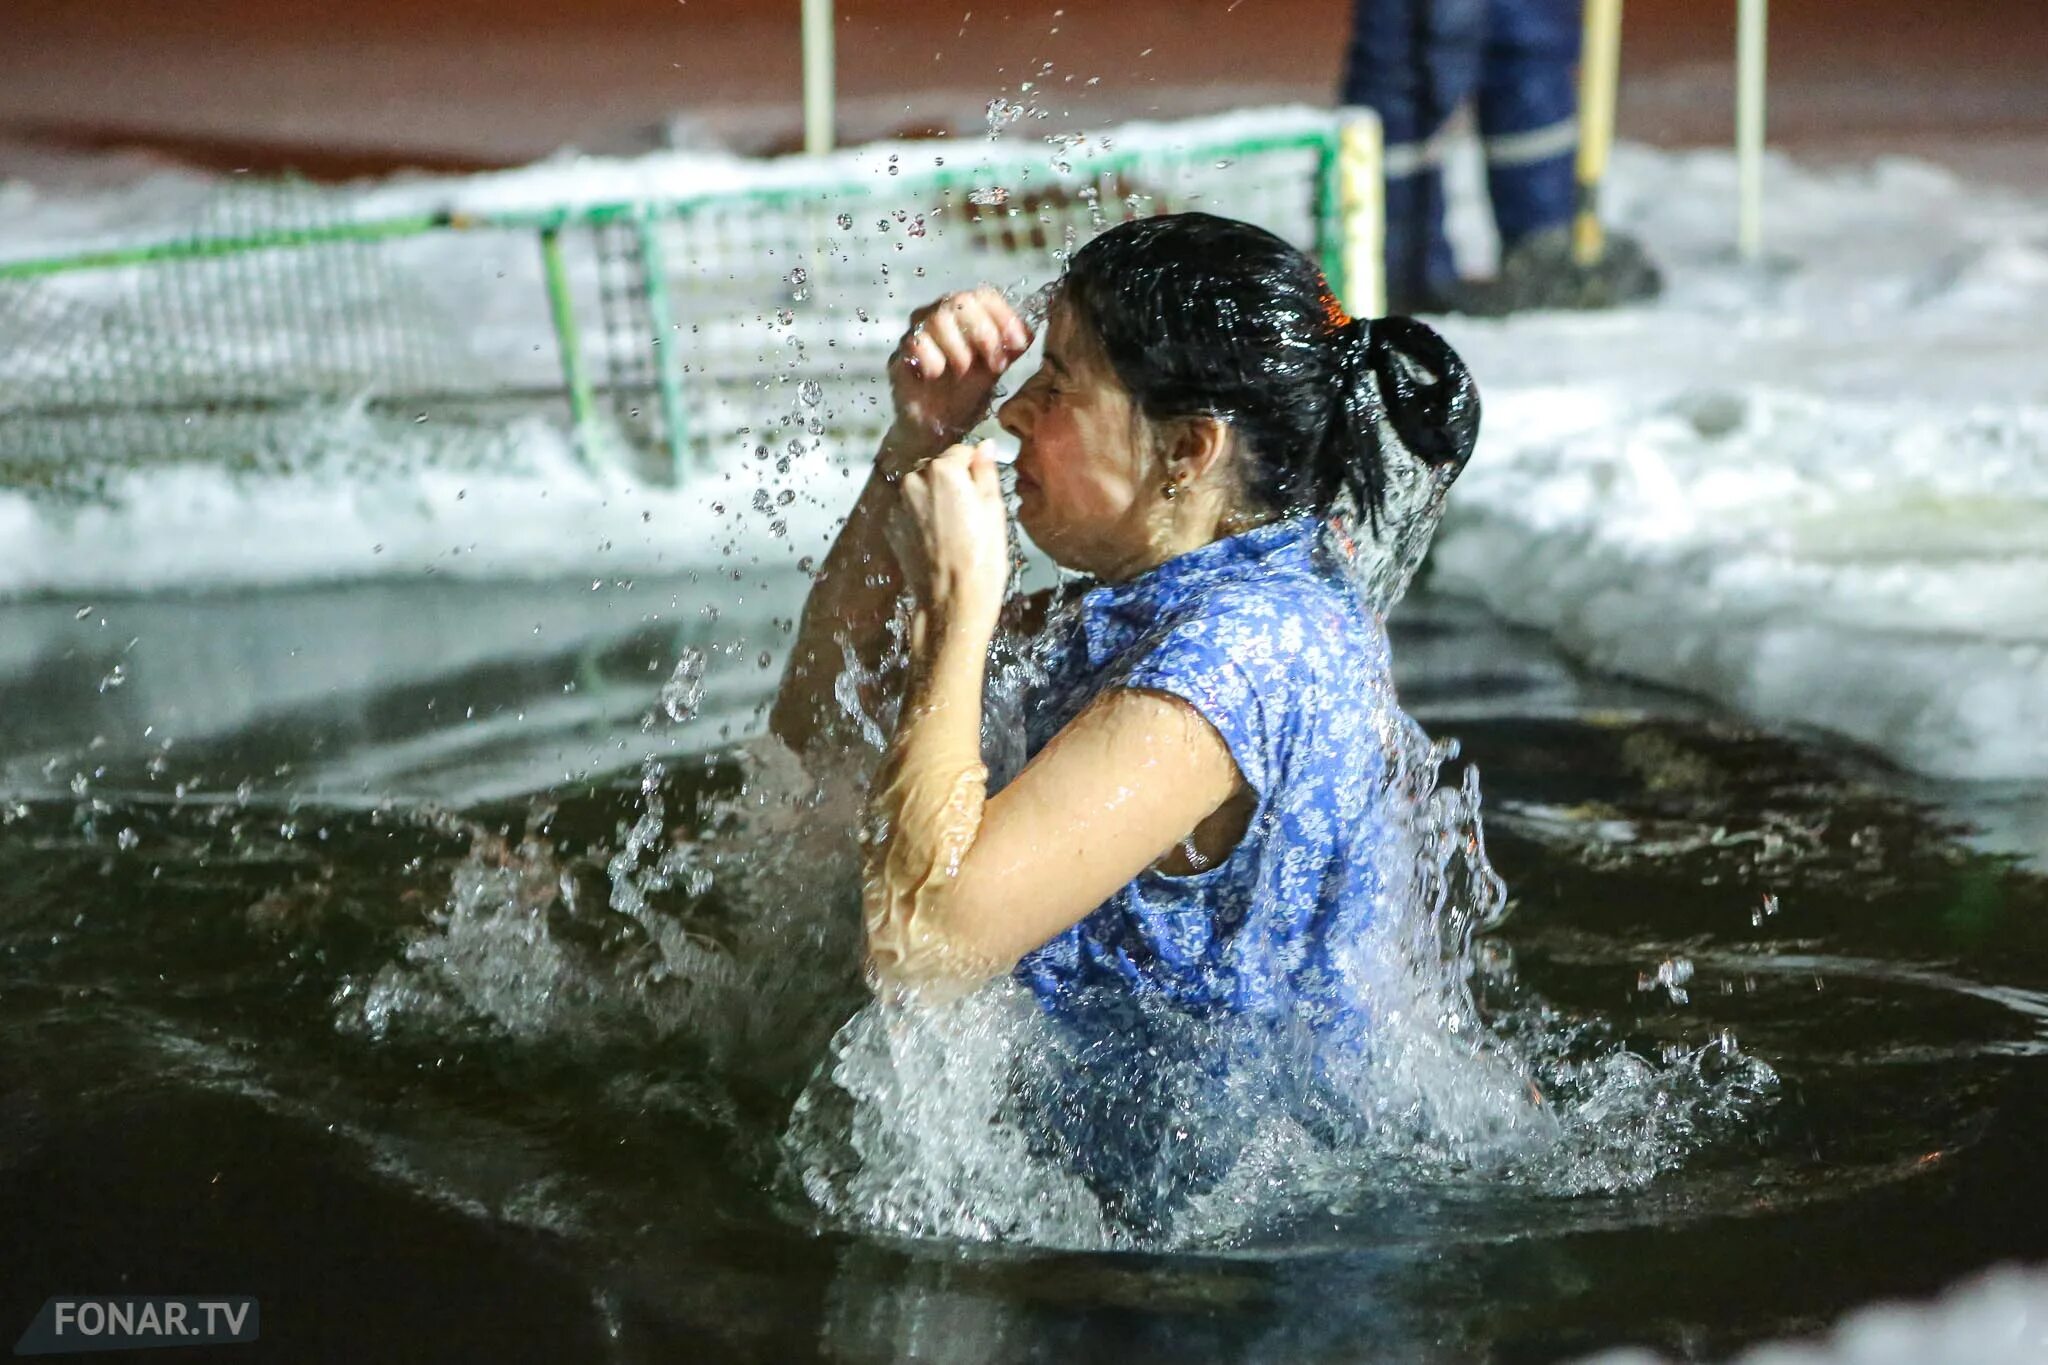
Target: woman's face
<point>1086,478</point>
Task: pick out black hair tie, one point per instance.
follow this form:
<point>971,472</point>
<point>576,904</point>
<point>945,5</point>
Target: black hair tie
<point>1429,396</point>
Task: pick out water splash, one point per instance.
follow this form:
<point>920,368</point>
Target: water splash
<point>941,1121</point>
<point>731,933</point>
<point>733,928</point>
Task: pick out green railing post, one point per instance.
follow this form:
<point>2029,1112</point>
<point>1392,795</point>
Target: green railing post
<point>668,370</point>
<point>563,309</point>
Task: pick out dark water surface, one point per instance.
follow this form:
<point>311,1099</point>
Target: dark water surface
<point>194,1097</point>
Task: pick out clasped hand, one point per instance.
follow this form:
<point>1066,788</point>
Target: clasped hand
<point>949,528</point>
<point>945,369</point>
<point>950,532</point>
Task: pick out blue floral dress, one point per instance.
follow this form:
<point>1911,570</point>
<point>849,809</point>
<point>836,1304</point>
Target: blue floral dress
<point>1264,636</point>
<point>1176,988</point>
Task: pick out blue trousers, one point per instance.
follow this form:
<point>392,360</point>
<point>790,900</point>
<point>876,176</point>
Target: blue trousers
<point>1413,62</point>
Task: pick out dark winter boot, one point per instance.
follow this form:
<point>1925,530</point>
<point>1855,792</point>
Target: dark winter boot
<point>1540,273</point>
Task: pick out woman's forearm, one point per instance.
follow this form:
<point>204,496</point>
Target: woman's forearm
<point>850,604</point>
<point>924,812</point>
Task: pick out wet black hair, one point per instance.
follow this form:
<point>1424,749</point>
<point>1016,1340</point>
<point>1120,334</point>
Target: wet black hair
<point>1200,316</point>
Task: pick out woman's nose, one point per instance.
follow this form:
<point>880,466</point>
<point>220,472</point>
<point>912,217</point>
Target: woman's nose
<point>1014,416</point>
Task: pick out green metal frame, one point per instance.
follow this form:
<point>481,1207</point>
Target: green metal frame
<point>667,369</point>
<point>646,220</point>
<point>562,308</point>
<point>203,248</point>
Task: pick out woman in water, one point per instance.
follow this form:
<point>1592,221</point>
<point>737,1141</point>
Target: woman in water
<point>1201,823</point>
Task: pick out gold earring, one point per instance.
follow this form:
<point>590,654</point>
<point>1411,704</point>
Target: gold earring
<point>1171,490</point>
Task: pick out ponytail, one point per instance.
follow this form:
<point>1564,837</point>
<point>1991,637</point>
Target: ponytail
<point>1402,373</point>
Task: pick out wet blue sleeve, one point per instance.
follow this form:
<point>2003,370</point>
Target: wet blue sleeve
<point>1223,666</point>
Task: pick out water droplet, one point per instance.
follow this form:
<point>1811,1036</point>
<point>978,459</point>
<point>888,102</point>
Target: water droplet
<point>811,392</point>
<point>1001,112</point>
<point>86,610</point>
<point>989,196</point>
<point>845,221</point>
<point>1671,976</point>
<point>127,839</point>
<point>683,693</point>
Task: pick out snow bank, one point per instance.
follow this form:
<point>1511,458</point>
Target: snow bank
<point>1815,490</point>
<point>2000,1318</point>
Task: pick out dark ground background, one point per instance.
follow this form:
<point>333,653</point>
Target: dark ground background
<point>344,87</point>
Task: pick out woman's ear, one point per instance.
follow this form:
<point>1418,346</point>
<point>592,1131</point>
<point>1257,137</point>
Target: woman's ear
<point>1197,446</point>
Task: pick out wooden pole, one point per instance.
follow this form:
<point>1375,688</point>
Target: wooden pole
<point>818,76</point>
<point>1752,17</point>
<point>1362,214</point>
<point>1599,73</point>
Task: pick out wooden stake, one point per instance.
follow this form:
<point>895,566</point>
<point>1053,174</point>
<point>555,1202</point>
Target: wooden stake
<point>1362,209</point>
<point>1599,73</point>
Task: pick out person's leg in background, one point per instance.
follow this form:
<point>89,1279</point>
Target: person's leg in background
<point>1413,62</point>
<point>1528,115</point>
